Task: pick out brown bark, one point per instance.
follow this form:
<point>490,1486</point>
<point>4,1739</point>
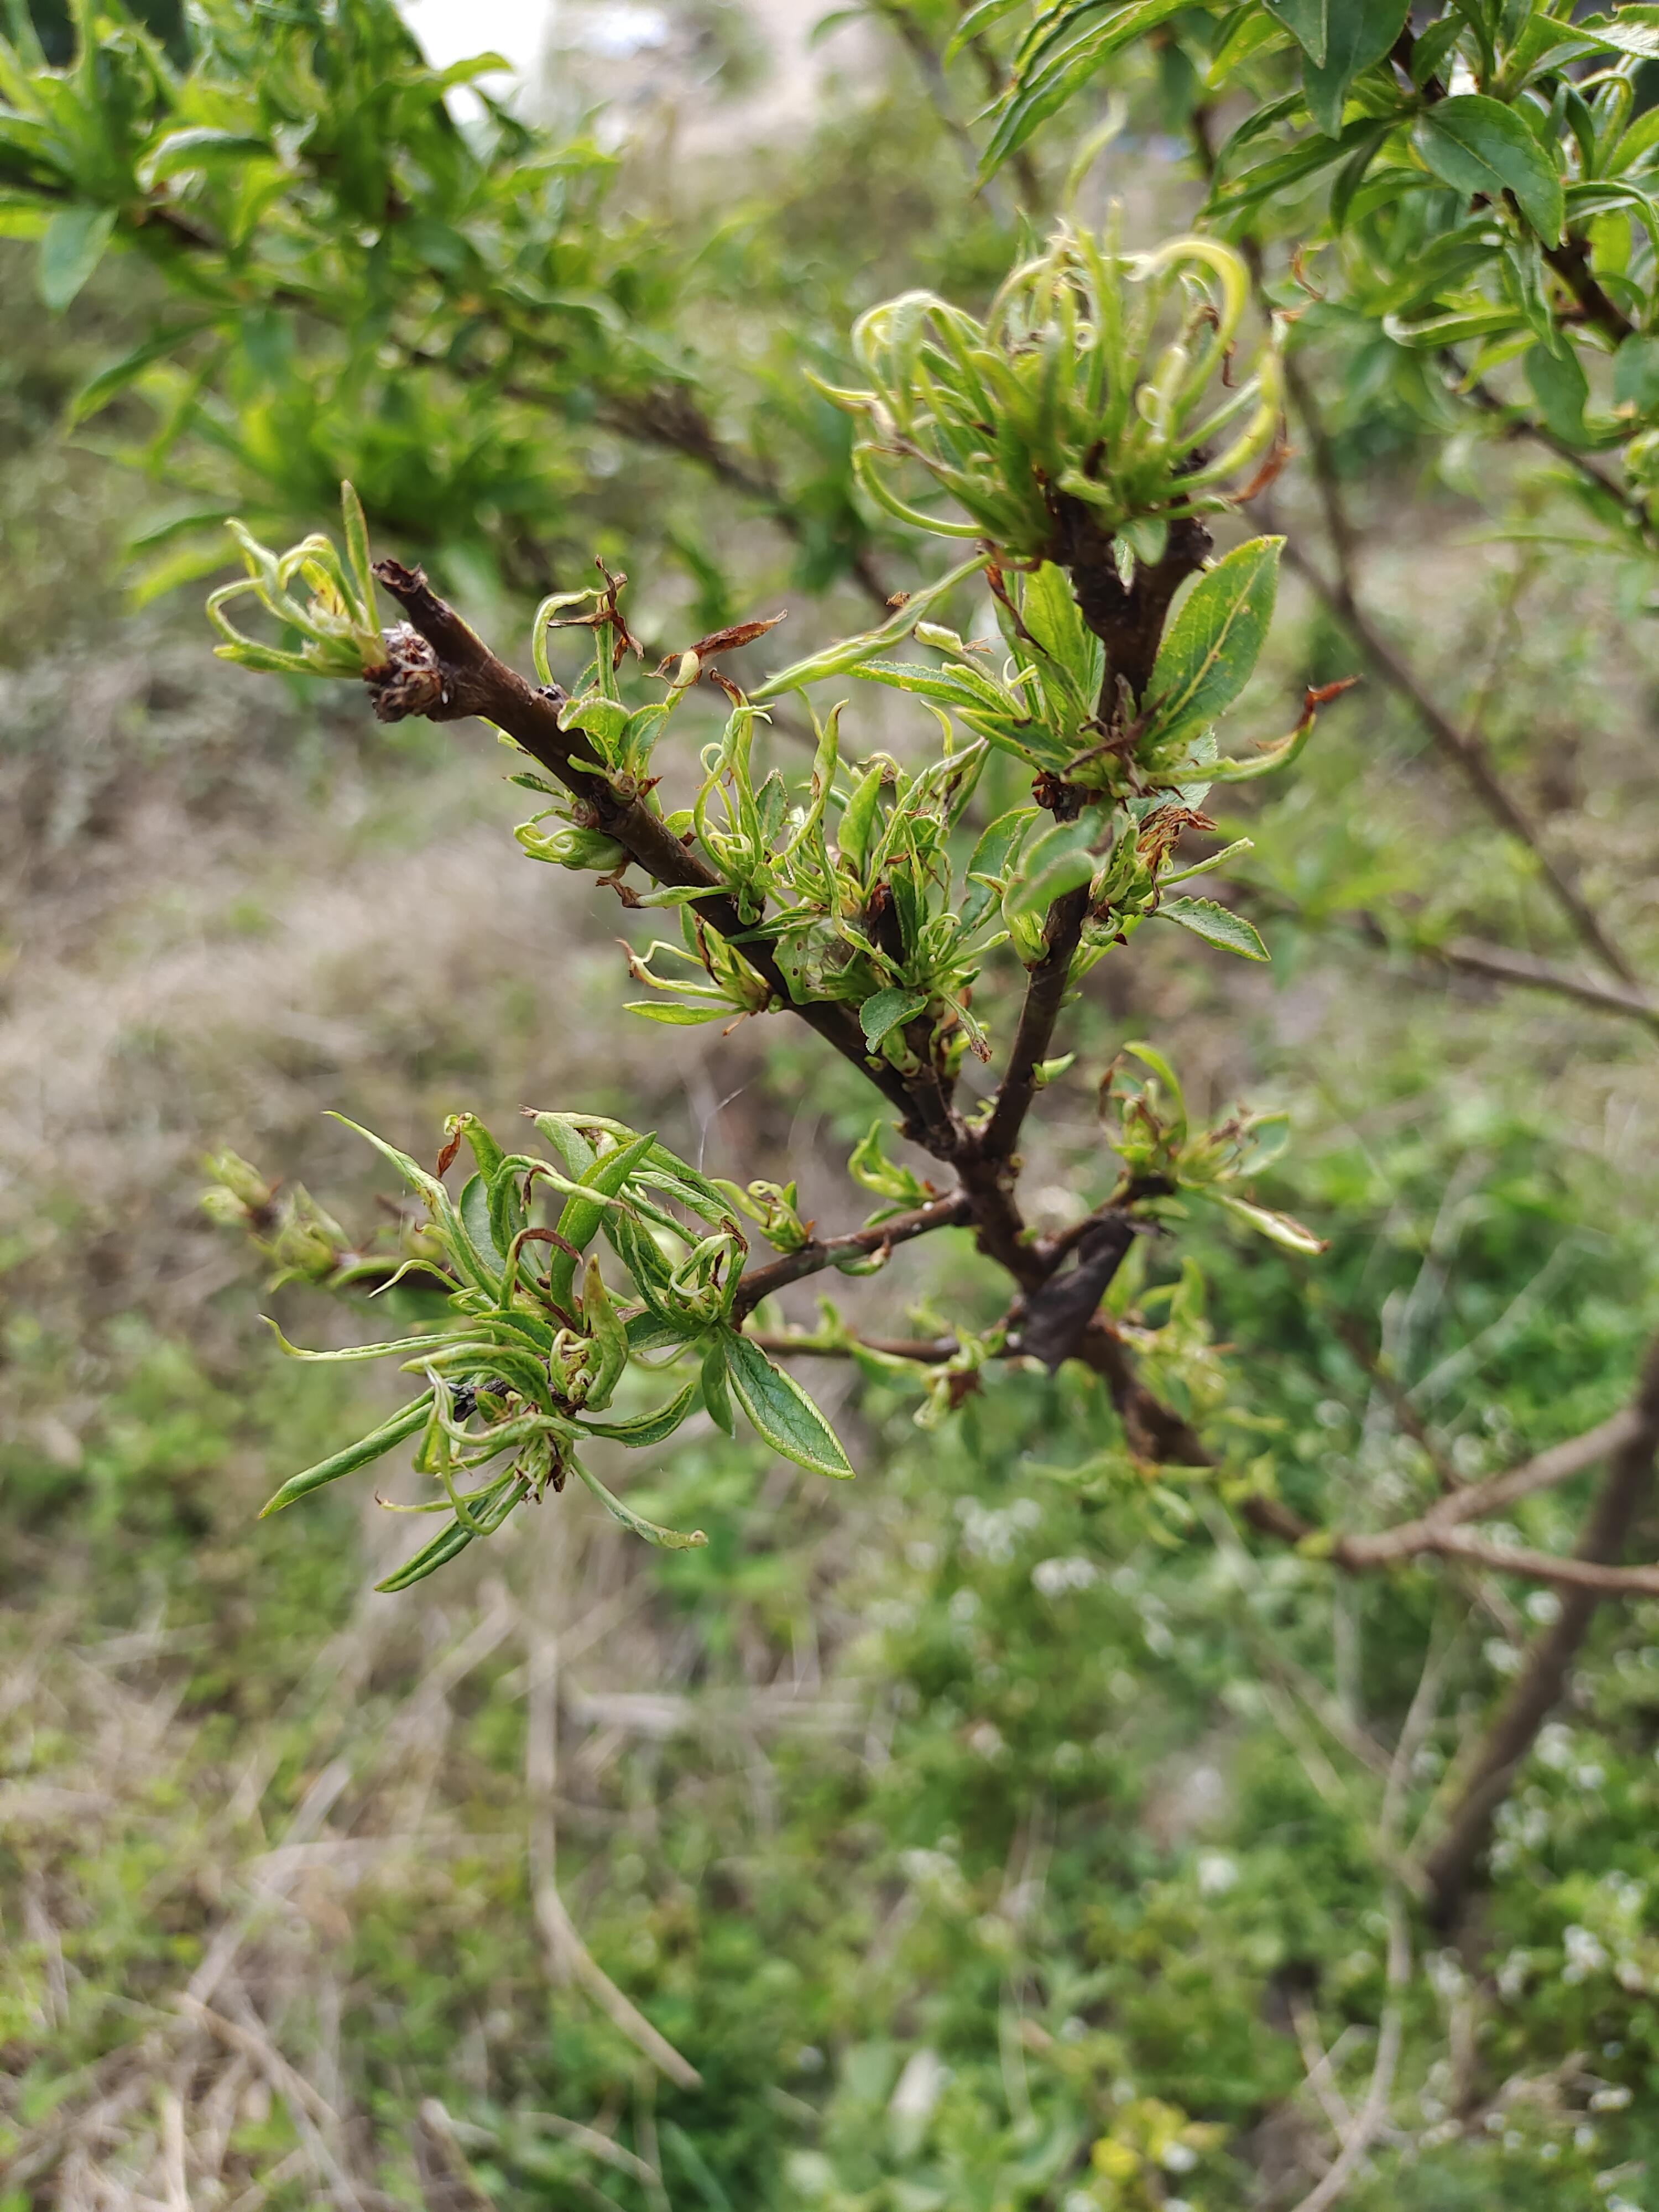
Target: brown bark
<point>1626,1488</point>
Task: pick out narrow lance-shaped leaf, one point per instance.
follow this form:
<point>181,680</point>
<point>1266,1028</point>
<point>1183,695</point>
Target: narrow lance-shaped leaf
<point>667,1540</point>
<point>1278,1228</point>
<point>653,1428</point>
<point>450,1542</point>
<point>71,249</point>
<point>372,1447</point>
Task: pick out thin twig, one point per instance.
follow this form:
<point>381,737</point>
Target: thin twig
<point>931,1352</point>
<point>812,1258</point>
<point>1503,966</point>
<point>1375,2110</point>
<point>1462,746</point>
<point>1478,1501</point>
<point>1625,1489</point>
<point>473,680</point>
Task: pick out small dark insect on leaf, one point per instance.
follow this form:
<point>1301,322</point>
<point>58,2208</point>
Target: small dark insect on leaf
<point>464,1398</point>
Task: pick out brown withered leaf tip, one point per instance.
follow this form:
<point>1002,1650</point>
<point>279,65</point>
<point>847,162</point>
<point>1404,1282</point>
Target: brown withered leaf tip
<point>728,641</point>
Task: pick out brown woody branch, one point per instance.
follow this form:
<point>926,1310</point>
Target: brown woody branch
<point>1625,1490</point>
<point>1570,262</point>
<point>1496,964</point>
<point>1044,996</point>
<point>454,675</point>
<point>472,680</point>
<point>758,1283</point>
<point>670,417</point>
<point>1501,965</point>
<point>926,1352</point>
<point>1438,1528</point>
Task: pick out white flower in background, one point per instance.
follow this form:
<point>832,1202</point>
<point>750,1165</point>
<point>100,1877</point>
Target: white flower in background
<point>1217,1874</point>
<point>1545,1607</point>
<point>1555,1746</point>
<point>1585,1955</point>
<point>920,2086</point>
<point>1513,1974</point>
<point>993,1532</point>
<point>985,1737</point>
<point>1053,1577</point>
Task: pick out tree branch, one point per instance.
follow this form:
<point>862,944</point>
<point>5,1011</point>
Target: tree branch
<point>1375,2110</point>
<point>930,1351</point>
<point>1625,1490</point>
<point>1461,746</point>
<point>1044,995</point>
<point>472,680</point>
<point>758,1283</point>
<point>1436,1529</point>
<point>671,418</point>
<point>1570,262</point>
<point>1498,962</point>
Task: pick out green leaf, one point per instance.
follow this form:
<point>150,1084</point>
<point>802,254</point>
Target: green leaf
<point>198,147</point>
<point>1360,32</point>
<point>1211,649</point>
<point>716,1397</point>
<point>1059,861</point>
<point>838,659</point>
<point>1050,612</point>
<point>1277,1228</point>
<point>1478,145</point>
<point>1150,1057</point>
<point>1561,389</point>
<point>1636,374</point>
<point>979,20</point>
<point>1308,23</point>
<point>678,1015</point>
<point>665,1540</point>
<point>98,391</point>
<point>1067,48</point>
<point>375,1445</point>
<point>888,1010</point>
<point>475,1219</point>
<point>1631,31</point>
<point>71,249</point>
<point>647,1428</point>
<point>406,1345</point>
<point>1216,925</point>
<point>450,1542</point>
<point>782,1410</point>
